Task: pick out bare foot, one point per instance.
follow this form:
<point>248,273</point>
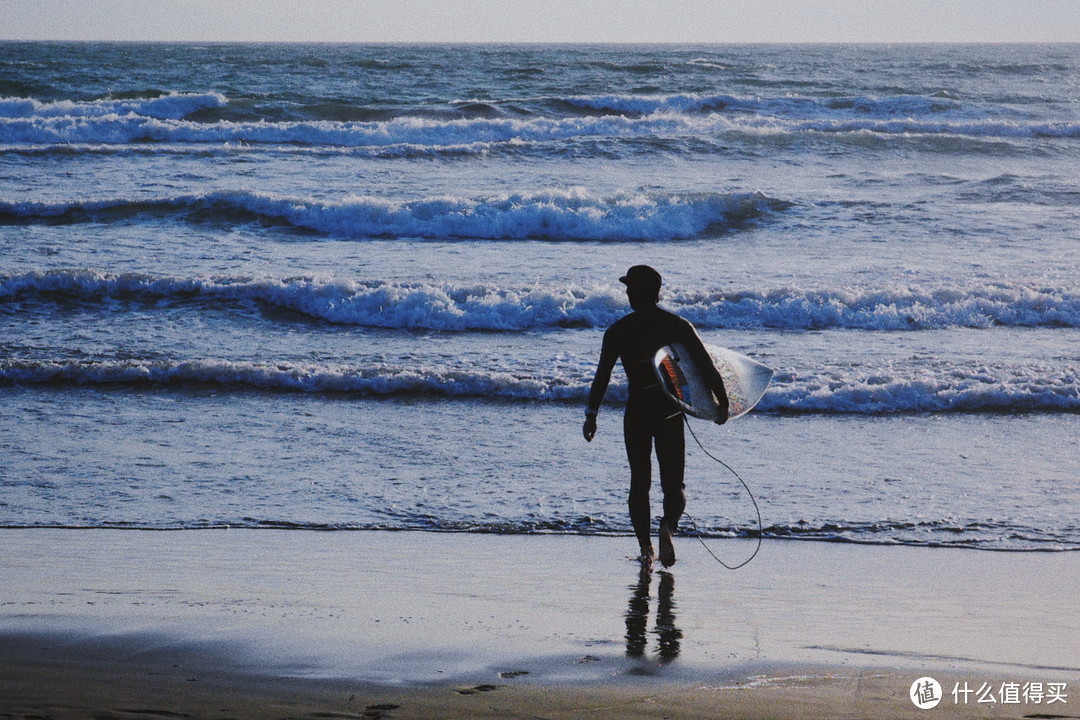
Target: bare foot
<point>667,546</point>
<point>647,557</point>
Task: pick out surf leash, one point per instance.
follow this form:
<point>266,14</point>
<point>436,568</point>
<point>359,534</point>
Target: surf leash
<point>748,492</point>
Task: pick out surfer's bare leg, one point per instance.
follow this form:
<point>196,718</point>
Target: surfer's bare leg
<point>639,454</point>
<point>667,546</point>
<point>671,456</point>
<point>641,511</point>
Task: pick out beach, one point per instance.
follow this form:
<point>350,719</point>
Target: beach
<point>106,623</point>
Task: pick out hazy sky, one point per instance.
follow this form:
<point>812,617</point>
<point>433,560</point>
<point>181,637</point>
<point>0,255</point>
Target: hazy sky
<point>546,20</point>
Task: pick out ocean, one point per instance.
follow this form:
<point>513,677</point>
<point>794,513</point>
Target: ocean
<point>343,287</point>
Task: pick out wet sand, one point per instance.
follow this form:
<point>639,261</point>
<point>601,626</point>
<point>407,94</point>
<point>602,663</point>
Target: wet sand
<point>264,623</point>
<point>108,691</point>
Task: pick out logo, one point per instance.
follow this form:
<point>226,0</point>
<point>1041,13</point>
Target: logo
<point>925,693</point>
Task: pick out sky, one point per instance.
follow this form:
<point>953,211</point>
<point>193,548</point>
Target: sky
<point>544,20</point>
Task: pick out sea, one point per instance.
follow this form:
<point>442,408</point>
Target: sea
<point>363,287</point>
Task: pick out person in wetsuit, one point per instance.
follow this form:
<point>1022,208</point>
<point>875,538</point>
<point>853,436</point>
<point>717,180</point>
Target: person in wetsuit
<point>651,417</point>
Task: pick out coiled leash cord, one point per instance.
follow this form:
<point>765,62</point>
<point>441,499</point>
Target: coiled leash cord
<point>748,492</point>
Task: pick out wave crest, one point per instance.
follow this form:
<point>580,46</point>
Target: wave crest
<point>448,307</point>
<point>573,214</point>
<point>919,390</point>
<point>380,379</point>
<point>834,392</point>
<point>174,118</point>
<point>168,106</point>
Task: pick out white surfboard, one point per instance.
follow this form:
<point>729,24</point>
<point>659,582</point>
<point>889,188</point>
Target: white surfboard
<point>744,379</point>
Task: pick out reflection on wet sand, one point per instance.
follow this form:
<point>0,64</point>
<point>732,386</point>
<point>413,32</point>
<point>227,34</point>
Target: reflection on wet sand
<point>669,636</point>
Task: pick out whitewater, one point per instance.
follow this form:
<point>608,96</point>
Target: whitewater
<point>363,287</point>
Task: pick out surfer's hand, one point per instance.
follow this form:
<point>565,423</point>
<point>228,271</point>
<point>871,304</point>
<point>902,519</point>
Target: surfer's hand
<point>589,428</point>
<point>723,417</point>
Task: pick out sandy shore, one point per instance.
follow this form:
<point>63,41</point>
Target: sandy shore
<point>261,623</point>
<point>107,690</point>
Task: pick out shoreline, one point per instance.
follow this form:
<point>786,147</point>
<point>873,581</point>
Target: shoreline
<point>459,625</point>
<point>496,531</point>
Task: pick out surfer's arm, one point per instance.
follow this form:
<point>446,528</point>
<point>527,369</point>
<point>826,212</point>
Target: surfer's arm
<point>712,375</point>
<point>716,385</point>
<point>608,356</point>
<point>720,393</point>
<point>588,429</point>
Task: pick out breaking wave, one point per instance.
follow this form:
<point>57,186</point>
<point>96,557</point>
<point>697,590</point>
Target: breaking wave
<point>379,379</point>
<point>573,214</point>
<point>447,307</point>
<point>169,106</point>
<point>175,118</point>
<point>928,390</point>
<point>906,389</point>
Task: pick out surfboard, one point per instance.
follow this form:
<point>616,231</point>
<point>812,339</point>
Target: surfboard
<point>682,379</point>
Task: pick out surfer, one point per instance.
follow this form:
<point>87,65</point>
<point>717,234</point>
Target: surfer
<point>650,418</point>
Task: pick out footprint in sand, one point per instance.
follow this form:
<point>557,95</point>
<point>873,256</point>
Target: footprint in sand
<point>375,712</point>
<point>371,712</point>
<point>477,689</point>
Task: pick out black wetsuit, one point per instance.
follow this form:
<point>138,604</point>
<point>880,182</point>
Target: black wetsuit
<point>651,417</point>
